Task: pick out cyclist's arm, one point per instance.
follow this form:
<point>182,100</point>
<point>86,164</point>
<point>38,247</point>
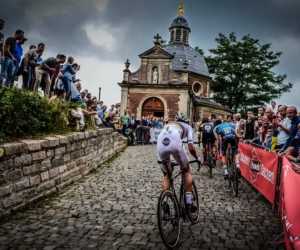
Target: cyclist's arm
<point>190,141</point>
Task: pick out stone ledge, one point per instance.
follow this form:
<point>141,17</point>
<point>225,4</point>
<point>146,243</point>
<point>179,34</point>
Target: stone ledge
<point>32,168</point>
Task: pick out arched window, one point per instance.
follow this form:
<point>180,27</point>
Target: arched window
<point>172,36</point>
<point>185,36</point>
<point>178,35</point>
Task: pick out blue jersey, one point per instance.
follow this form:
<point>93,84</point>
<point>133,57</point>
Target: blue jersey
<point>226,130</point>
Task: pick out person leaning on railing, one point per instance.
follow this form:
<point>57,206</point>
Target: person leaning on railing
<point>293,151</point>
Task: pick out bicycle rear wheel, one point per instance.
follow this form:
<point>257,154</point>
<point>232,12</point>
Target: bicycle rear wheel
<point>234,180</point>
<point>194,214</point>
<point>168,218</point>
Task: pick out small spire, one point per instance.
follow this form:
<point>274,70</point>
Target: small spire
<point>181,9</point>
<point>157,42</point>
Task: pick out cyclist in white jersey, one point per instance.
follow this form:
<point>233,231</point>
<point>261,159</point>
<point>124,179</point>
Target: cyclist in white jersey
<point>169,142</point>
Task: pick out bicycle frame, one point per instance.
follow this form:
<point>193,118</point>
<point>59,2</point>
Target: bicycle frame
<point>182,185</point>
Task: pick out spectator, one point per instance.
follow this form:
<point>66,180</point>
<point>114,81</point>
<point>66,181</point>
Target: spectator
<point>82,96</point>
<point>291,113</point>
<point>284,127</point>
<point>261,111</point>
<point>18,55</point>
<point>273,107</point>
<point>7,66</point>
<point>249,112</point>
<point>29,66</point>
<point>1,42</point>
<point>110,120</point>
<point>103,113</point>
<point>68,71</point>
<point>240,125</point>
<point>125,120</point>
<point>46,68</point>
<point>132,122</point>
<point>78,114</point>
<point>60,96</point>
<point>249,133</point>
<point>112,109</point>
<point>293,151</point>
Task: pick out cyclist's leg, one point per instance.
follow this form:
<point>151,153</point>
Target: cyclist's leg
<point>224,158</point>
<point>181,157</point>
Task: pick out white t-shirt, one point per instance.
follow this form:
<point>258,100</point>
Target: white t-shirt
<point>80,113</point>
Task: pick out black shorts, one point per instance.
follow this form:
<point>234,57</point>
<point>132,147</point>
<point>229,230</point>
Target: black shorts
<point>225,142</point>
<point>206,138</point>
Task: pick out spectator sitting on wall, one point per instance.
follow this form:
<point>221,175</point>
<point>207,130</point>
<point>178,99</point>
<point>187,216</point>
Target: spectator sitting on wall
<point>60,96</point>
<point>78,114</point>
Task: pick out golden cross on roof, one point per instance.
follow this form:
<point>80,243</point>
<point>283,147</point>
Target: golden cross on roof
<point>180,10</point>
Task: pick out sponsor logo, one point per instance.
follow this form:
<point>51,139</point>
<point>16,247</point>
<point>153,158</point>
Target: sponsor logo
<point>257,168</point>
<point>166,141</point>
<point>245,159</point>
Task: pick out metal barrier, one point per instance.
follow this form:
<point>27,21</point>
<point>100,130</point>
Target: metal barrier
<point>142,135</point>
<point>256,145</point>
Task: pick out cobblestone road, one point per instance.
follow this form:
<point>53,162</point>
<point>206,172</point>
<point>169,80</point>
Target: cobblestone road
<point>115,208</point>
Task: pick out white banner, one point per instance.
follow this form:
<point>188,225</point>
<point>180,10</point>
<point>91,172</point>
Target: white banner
<point>154,133</point>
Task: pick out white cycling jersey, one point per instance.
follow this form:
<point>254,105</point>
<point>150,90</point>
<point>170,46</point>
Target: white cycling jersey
<point>183,130</point>
<point>169,142</point>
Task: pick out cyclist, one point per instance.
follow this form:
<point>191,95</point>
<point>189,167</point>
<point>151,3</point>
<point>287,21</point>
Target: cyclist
<point>227,135</point>
<point>169,142</point>
<point>207,134</point>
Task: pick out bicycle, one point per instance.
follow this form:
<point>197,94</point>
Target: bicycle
<point>179,209</point>
<point>209,156</point>
<point>233,178</point>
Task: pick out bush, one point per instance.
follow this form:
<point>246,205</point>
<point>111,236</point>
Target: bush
<point>24,114</point>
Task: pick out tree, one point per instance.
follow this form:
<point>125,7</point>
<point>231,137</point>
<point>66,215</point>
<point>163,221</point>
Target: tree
<point>201,51</point>
<point>163,43</point>
<point>242,73</point>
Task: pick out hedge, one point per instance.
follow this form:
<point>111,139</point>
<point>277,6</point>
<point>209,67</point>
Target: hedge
<point>24,114</point>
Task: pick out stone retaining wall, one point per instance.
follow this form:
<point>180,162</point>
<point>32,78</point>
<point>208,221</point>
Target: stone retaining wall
<point>32,168</point>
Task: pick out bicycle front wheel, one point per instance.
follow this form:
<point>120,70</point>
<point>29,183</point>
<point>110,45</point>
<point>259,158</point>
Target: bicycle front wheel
<point>168,218</point>
<point>194,214</point>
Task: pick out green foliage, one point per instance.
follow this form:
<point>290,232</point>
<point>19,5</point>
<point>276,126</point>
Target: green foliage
<point>24,114</point>
<point>163,43</point>
<point>201,51</point>
<point>242,73</point>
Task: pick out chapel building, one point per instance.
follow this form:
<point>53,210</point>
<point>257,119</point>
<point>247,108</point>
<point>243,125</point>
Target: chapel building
<point>170,80</point>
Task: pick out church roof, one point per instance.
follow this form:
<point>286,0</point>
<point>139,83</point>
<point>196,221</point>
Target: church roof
<point>206,101</point>
<point>182,52</point>
<point>180,22</point>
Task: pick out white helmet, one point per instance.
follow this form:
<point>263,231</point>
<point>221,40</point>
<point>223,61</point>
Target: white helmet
<point>182,118</point>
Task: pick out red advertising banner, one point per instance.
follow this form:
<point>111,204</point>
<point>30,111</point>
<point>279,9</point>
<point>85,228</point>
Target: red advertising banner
<point>289,205</point>
<point>259,167</point>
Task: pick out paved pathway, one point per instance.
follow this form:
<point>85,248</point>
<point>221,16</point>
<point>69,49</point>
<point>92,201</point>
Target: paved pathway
<point>115,208</point>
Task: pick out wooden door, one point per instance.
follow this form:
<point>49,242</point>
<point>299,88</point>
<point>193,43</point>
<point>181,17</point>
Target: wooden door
<point>152,105</point>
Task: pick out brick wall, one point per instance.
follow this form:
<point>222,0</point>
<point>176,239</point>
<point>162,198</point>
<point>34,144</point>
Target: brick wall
<point>171,100</point>
<point>31,168</point>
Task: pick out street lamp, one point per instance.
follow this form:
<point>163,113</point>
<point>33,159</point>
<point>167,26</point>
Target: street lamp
<point>99,94</point>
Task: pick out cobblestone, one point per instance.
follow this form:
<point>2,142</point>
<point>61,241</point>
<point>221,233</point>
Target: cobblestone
<point>115,208</point>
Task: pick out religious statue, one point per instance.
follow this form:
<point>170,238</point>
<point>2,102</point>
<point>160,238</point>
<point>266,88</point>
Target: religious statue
<point>181,9</point>
<point>155,76</point>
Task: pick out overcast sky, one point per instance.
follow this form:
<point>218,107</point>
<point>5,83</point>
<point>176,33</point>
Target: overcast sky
<point>102,34</point>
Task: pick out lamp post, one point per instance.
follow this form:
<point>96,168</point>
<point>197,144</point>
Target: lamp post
<point>99,94</point>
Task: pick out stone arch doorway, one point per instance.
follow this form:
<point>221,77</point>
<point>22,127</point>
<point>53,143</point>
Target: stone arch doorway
<point>153,106</point>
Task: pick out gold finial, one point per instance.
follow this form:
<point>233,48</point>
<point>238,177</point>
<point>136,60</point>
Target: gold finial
<point>180,10</point>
